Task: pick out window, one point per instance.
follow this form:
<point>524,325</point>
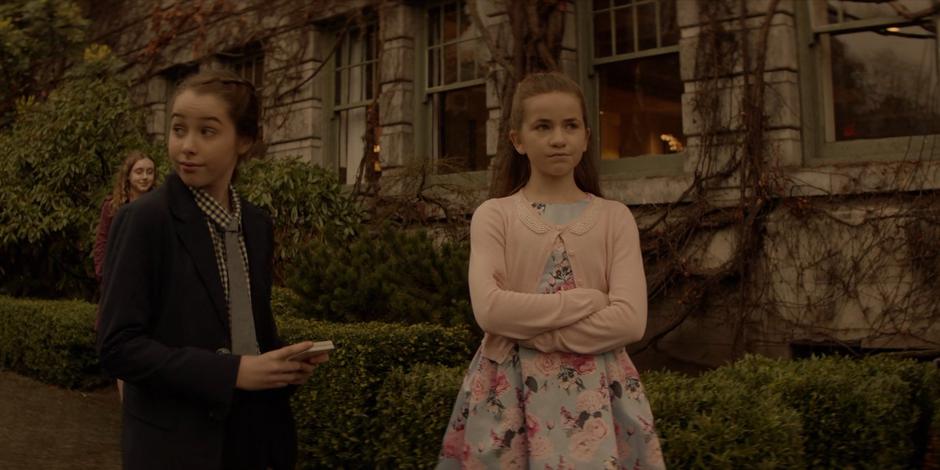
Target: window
<point>248,63</point>
<point>173,77</point>
<point>355,86</point>
<point>877,68</point>
<point>456,87</point>
<point>635,62</point>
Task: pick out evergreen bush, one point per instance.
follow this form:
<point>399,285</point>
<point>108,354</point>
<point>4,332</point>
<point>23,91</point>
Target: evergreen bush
<point>415,406</point>
<point>56,164</point>
<point>386,394</point>
<point>338,413</point>
<point>306,204</point>
<point>51,341</point>
<point>386,275</point>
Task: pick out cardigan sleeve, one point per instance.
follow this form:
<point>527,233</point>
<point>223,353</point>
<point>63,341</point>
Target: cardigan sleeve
<point>622,322</point>
<point>101,237</point>
<point>510,314</point>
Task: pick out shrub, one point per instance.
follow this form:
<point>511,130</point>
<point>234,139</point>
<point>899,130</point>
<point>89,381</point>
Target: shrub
<point>305,202</point>
<point>37,37</point>
<point>53,342</point>
<point>338,416</point>
<point>387,275</point>
<point>56,164</point>
<point>713,422</point>
<point>415,406</point>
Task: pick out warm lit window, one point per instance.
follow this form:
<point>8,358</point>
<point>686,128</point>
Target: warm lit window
<point>456,86</point>
<point>636,62</point>
<point>355,87</point>
<point>877,68</point>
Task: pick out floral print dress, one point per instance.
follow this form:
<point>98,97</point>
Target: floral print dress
<point>552,411</point>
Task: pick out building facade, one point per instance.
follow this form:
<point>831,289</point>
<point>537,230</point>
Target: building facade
<point>848,132</point>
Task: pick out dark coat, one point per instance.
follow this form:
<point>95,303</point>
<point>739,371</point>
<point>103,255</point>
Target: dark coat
<point>165,331</point>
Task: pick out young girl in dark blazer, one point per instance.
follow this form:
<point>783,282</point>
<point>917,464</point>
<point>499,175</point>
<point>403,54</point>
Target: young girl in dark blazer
<point>185,314</point>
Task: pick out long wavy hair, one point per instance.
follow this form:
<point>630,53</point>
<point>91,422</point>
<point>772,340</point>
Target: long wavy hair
<point>513,173</point>
<point>120,194</point>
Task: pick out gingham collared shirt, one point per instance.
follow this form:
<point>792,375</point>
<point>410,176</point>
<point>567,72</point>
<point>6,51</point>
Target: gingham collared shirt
<point>218,218</point>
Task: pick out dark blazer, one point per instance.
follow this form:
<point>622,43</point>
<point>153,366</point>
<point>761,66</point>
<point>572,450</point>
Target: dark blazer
<point>165,331</point>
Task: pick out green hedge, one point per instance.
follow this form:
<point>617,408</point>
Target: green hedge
<point>51,341</point>
<point>823,413</point>
<point>415,406</point>
<point>377,402</point>
<point>339,422</point>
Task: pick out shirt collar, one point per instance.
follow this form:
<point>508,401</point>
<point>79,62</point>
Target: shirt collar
<point>214,210</point>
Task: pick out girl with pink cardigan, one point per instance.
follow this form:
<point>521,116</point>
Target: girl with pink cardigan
<point>557,285</point>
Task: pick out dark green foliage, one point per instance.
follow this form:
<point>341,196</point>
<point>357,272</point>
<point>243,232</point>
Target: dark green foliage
<point>415,406</point>
<point>339,412</point>
<point>50,341</point>
<point>306,203</point>
<point>387,275</point>
<point>870,413</point>
<point>56,164</point>
<point>712,422</point>
<point>377,402</point>
<point>37,40</point>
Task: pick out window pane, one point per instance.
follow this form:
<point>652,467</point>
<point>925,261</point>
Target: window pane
<point>646,21</point>
<point>885,84</point>
<point>624,34</point>
<point>602,42</point>
<point>450,22</point>
<point>352,129</point>
<point>460,121</point>
<point>467,28</point>
<point>450,64</point>
<point>468,54</point>
<point>640,107</point>
<point>843,11</point>
<point>434,26</point>
<point>667,18</point>
<point>369,81</point>
<point>434,67</point>
<point>601,4</point>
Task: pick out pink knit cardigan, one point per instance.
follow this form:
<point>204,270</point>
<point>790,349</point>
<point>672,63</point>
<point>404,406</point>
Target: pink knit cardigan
<point>509,245</point>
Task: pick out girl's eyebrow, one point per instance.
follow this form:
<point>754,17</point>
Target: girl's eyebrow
<point>203,118</point>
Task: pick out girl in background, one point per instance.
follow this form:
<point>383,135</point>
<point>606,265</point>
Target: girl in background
<point>557,284</point>
<point>135,177</point>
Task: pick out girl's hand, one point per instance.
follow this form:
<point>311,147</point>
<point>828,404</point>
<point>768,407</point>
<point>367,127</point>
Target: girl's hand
<point>273,370</point>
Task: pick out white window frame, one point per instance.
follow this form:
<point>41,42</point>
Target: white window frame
<point>430,92</point>
<point>636,166</point>
<point>338,105</point>
<point>819,143</point>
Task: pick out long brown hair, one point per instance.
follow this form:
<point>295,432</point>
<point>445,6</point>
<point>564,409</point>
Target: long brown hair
<point>239,96</point>
<point>513,173</point>
<point>122,185</point>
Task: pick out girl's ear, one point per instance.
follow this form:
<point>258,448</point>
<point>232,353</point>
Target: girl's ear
<point>587,138</point>
<point>516,141</point>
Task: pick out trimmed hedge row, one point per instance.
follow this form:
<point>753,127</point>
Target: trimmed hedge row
<point>821,413</point>
<point>338,420</point>
<point>415,406</point>
<point>51,341</point>
<point>338,415</point>
<point>378,404</point>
